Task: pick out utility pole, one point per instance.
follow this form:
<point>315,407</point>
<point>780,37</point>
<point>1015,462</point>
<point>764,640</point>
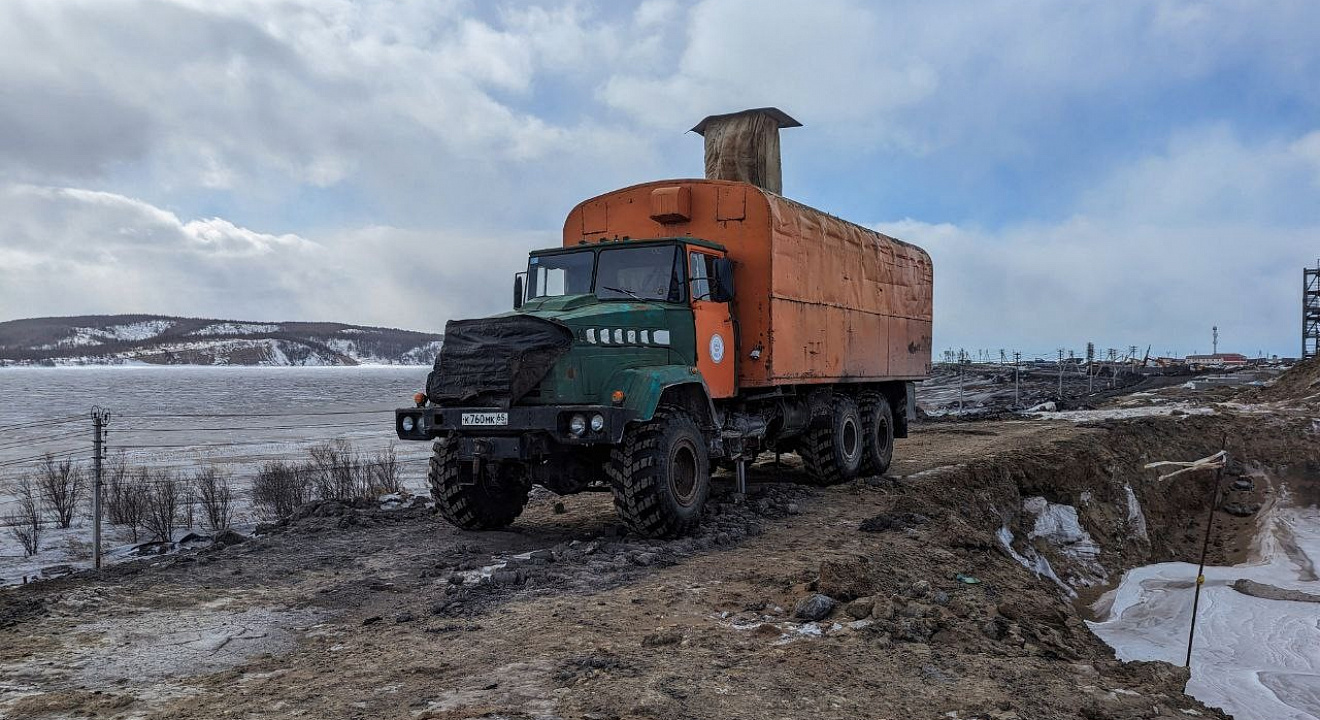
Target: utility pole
<point>1017,360</point>
<point>962,370</point>
<point>1090,367</point>
<point>1060,373</point>
<point>100,418</point>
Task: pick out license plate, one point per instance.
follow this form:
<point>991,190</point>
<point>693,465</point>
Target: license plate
<point>491,418</point>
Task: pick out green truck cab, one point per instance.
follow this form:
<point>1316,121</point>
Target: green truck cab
<point>602,339</point>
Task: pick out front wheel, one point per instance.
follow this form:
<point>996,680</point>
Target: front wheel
<point>661,475</point>
<point>488,502</point>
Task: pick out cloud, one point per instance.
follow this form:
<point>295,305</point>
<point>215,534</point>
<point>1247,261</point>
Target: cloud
<point>390,161</point>
<point>74,252</point>
<point>1160,251</point>
<point>418,108</point>
<point>924,76</point>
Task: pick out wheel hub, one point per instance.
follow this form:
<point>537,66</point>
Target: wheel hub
<point>683,474</point>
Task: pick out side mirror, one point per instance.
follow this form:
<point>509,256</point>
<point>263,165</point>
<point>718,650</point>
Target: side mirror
<point>518,289</point>
<point>721,285</point>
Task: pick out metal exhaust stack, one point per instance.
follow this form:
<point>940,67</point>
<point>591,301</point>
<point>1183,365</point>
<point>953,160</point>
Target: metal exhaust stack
<point>744,146</point>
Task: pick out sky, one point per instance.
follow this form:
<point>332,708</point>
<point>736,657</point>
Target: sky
<point>1117,171</point>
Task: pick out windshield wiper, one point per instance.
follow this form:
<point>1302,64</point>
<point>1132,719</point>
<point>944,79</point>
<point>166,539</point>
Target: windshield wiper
<point>630,293</point>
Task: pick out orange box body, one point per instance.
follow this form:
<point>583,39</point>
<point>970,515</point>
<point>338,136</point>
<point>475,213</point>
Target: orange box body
<point>824,300</point>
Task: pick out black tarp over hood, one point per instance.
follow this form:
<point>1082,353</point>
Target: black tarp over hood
<point>493,362</point>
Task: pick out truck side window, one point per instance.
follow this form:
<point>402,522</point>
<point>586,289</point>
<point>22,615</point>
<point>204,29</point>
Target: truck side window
<point>699,273</point>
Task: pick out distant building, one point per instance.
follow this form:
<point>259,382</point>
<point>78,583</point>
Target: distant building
<point>1224,360</point>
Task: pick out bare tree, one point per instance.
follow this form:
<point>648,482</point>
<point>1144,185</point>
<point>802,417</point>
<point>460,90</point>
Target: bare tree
<point>128,503</point>
<point>187,504</point>
<point>280,488</point>
<point>162,505</point>
<point>61,485</point>
<point>212,487</point>
<point>338,470</point>
<point>382,473</point>
<point>25,522</point>
<point>117,483</point>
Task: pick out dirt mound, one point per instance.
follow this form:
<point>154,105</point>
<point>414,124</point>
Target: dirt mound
<point>1301,382</point>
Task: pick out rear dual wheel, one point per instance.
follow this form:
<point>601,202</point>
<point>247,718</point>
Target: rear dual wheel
<point>832,452</point>
<point>858,439</point>
<point>877,433</point>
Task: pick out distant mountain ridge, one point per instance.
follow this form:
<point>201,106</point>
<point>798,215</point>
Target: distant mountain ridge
<point>165,340</point>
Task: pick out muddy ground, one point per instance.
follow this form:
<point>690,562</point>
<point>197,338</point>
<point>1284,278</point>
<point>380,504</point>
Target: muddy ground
<point>351,613</point>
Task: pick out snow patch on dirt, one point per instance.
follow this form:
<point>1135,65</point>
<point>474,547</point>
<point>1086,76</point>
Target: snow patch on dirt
<point>1032,560</point>
<point>170,643</point>
<point>1257,658</point>
<point>1125,413</point>
<point>148,652</point>
<point>1135,517</point>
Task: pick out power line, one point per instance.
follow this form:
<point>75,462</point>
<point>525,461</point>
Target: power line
<point>20,461</point>
<point>23,442</point>
<point>308,413</point>
<point>241,429</point>
<point>41,423</point>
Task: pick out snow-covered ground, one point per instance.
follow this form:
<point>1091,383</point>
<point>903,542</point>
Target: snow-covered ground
<point>95,336</point>
<point>236,328</point>
<point>1257,658</point>
<point>1124,413</point>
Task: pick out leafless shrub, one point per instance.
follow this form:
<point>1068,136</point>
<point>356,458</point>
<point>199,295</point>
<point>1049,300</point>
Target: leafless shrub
<point>382,473</point>
<point>61,486</point>
<point>187,505</point>
<point>215,496</point>
<point>281,487</point>
<point>128,501</point>
<point>163,495</point>
<point>24,522</point>
<point>118,479</point>
<point>338,470</point>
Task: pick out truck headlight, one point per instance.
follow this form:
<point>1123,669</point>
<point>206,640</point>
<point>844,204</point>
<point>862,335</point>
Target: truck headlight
<point>597,422</point>
<point>407,423</point>
<point>577,425</point>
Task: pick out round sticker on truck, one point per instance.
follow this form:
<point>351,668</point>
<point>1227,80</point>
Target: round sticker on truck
<point>716,348</point>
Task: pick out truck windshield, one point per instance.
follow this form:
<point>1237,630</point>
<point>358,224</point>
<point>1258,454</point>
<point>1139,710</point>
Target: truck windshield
<point>639,273</point>
<point>560,274</point>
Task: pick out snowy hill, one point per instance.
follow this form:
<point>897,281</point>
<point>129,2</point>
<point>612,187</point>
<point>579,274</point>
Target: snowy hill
<point>161,340</point>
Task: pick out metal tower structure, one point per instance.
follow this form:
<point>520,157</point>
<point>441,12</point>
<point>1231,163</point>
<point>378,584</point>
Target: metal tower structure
<point>1311,311</point>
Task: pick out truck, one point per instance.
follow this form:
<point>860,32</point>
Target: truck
<point>681,325</point>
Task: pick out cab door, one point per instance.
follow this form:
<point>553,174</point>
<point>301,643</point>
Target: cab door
<point>716,345</point>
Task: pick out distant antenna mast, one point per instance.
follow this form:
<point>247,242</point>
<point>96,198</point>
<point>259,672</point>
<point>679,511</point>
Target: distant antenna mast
<point>1215,344</point>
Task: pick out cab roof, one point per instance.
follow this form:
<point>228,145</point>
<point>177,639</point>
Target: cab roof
<point>631,242</point>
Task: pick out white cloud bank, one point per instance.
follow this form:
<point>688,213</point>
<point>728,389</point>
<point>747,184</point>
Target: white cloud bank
<point>1158,253</point>
<point>382,162</point>
<point>72,252</point>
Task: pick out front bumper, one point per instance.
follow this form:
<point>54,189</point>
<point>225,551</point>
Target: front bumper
<point>530,431</point>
